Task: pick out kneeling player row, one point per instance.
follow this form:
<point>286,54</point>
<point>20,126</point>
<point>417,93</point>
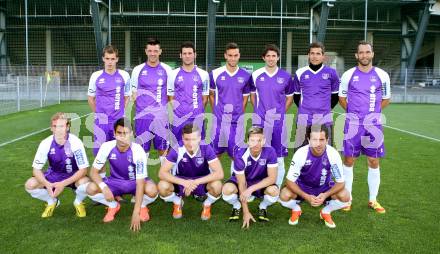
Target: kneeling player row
<point>315,174</point>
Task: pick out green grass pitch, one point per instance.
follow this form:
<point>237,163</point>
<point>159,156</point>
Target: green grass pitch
<point>409,191</point>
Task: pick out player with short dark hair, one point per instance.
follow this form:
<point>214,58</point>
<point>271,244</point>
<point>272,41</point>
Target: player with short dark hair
<point>191,169</point>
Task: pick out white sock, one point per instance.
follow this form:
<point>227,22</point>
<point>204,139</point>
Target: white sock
<point>42,194</point>
<point>232,166</point>
<point>210,199</point>
<point>281,171</point>
<point>291,204</point>
<point>103,174</point>
<point>161,158</point>
<point>373,182</point>
<point>81,193</point>
<point>172,198</point>
<point>333,205</point>
<point>101,199</point>
<point>146,200</point>
<point>233,200</point>
<point>268,201</point>
<point>348,176</point>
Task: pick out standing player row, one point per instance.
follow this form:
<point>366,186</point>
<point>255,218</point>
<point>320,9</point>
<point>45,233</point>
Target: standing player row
<point>363,92</point>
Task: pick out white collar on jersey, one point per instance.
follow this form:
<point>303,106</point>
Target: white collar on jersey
<point>273,74</point>
<point>231,74</point>
<point>255,158</point>
<point>194,154</point>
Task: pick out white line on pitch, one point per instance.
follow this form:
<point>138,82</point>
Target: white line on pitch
<point>35,132</point>
<point>404,131</point>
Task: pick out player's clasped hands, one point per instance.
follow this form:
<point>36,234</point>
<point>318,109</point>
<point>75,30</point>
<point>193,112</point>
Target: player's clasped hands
<point>316,201</point>
<point>190,186</point>
<point>58,187</point>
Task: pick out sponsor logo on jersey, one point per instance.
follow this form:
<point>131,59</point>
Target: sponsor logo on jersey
<point>324,162</point>
<point>372,89</point>
<point>112,156</point>
<point>130,168</point>
<point>280,80</point>
<point>129,158</point>
<point>200,160</point>
<point>68,161</point>
<point>323,177</point>
<point>325,76</point>
<point>334,169</point>
<point>79,157</point>
<point>262,162</point>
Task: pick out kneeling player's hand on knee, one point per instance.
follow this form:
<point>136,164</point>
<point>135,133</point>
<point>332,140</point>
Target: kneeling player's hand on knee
<point>58,188</point>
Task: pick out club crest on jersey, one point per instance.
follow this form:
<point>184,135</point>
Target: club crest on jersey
<point>308,163</point>
<point>118,80</point>
<point>179,79</point>
<point>373,79</point>
<point>324,162</point>
<point>355,78</point>
<point>222,78</point>
<point>144,73</point>
<point>262,162</point>
<point>129,158</point>
<point>200,160</point>
<point>184,159</point>
<point>196,78</point>
<point>280,80</point>
<point>306,76</point>
<point>372,89</point>
<point>249,163</point>
<point>101,81</point>
<point>52,151</point>
<point>113,156</point>
<point>262,79</point>
<point>240,80</point>
<point>325,76</point>
<point>159,72</point>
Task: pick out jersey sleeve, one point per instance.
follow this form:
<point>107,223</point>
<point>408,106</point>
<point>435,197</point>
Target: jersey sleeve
<point>345,80</point>
<point>140,160</point>
<point>92,83</point>
<point>289,90</point>
<point>205,82</point>
<point>172,156</point>
<point>296,85</point>
<point>239,161</point>
<point>335,165</point>
<point>212,85</point>
<point>272,160</point>
<point>386,86</point>
<point>296,165</point>
<point>210,154</point>
<point>127,86</point>
<point>170,82</point>
<point>247,86</point>
<point>103,153</point>
<point>41,155</point>
<point>79,152</point>
<point>335,82</point>
<point>135,78</point>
